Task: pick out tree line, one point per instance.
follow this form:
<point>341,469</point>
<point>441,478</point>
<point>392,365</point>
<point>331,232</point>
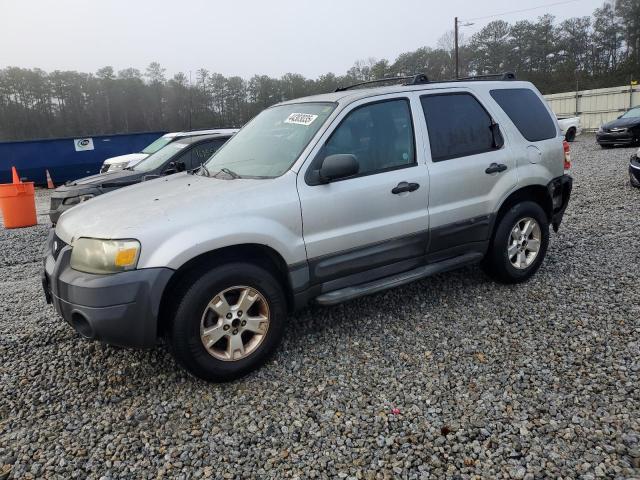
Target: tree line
<point>583,52</point>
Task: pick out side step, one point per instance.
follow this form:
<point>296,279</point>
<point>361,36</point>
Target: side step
<point>347,293</point>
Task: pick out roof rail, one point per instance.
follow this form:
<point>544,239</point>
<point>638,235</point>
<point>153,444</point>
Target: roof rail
<point>413,80</point>
<point>491,76</point>
<point>421,78</point>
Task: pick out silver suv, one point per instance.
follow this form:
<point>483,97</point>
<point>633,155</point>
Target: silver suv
<point>321,199</point>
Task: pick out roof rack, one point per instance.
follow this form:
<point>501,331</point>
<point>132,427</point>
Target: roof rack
<point>489,76</point>
<point>413,80</point>
<point>421,78</point>
<point>506,76</point>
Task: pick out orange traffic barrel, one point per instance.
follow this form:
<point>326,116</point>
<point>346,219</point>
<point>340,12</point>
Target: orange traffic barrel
<point>18,203</point>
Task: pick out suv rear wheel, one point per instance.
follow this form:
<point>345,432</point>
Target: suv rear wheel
<point>519,244</point>
<point>228,321</point>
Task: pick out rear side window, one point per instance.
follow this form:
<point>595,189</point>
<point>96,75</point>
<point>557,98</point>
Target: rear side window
<point>458,126</point>
<point>527,112</point>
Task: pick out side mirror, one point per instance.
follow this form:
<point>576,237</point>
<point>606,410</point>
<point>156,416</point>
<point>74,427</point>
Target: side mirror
<point>338,166</point>
<point>172,168</point>
<point>498,139</point>
<point>180,166</point>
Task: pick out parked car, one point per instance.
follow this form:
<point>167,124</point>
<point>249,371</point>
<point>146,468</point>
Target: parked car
<point>185,153</point>
<point>570,127</point>
<point>634,169</point>
<point>625,130</point>
<point>321,199</point>
<point>131,159</point>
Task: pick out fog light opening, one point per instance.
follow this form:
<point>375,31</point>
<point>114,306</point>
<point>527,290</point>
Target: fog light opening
<point>81,325</point>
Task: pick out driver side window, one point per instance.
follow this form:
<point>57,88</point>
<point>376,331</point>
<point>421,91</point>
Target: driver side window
<point>379,135</point>
<point>196,156</point>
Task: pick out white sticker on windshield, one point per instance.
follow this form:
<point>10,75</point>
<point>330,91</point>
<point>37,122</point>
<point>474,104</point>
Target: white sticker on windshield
<point>305,119</point>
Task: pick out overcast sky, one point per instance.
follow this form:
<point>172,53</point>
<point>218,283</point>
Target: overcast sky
<point>239,37</point>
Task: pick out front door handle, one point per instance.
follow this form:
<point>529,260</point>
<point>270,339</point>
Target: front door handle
<point>405,187</point>
<point>496,168</point>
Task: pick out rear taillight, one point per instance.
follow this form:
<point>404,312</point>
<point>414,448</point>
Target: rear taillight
<point>567,155</point>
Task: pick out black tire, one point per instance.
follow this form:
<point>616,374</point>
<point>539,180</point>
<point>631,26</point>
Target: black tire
<point>497,263</point>
<point>570,136</point>
<point>200,288</point>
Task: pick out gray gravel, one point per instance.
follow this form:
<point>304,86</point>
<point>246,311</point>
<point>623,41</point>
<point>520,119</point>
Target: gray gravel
<point>452,376</point>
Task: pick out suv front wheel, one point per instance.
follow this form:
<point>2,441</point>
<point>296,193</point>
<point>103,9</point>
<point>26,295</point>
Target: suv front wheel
<point>519,244</point>
<point>228,321</point>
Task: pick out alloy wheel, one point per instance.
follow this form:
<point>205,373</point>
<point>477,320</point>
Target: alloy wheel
<point>524,243</point>
<point>234,323</point>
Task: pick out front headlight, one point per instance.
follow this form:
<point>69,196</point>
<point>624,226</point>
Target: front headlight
<point>117,166</point>
<point>93,255</point>
<point>600,129</point>
<point>78,199</point>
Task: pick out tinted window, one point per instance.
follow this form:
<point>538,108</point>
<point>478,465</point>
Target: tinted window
<point>527,112</point>
<point>199,154</point>
<point>458,125</point>
<point>380,135</point>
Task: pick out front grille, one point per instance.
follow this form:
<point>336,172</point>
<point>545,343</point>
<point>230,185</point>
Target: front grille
<point>104,168</point>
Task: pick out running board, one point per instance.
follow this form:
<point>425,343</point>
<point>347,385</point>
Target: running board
<point>348,293</point>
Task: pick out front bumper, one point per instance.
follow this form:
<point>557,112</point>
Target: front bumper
<point>559,191</point>
<point>119,309</point>
<point>634,171</point>
<point>615,138</point>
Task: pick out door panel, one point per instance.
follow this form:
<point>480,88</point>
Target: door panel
<point>351,220</point>
<point>463,196</point>
<point>358,224</point>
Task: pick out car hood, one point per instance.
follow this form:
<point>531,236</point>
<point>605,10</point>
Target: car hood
<point>622,123</point>
<point>152,206</point>
<point>124,177</point>
<point>129,157</point>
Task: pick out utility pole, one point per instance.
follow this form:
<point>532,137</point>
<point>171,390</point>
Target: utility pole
<point>455,29</point>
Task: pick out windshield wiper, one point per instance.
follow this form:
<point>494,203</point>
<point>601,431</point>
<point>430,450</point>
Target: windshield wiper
<point>204,169</point>
<point>230,172</point>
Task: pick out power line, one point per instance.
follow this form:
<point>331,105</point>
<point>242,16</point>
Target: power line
<point>520,11</point>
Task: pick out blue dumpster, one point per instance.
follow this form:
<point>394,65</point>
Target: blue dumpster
<point>67,158</point>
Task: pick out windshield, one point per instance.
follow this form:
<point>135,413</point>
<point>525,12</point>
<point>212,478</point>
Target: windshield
<point>157,145</point>
<point>633,113</point>
<point>272,141</point>
<point>159,158</point>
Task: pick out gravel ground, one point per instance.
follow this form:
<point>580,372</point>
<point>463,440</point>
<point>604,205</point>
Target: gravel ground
<point>454,376</point>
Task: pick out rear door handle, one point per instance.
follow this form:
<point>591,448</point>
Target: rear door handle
<point>496,168</point>
<point>405,187</point>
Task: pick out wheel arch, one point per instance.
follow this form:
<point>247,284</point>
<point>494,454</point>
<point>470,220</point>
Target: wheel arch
<point>257,254</point>
<point>535,193</point>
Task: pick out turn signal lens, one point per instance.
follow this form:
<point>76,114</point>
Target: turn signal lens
<point>126,258</point>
